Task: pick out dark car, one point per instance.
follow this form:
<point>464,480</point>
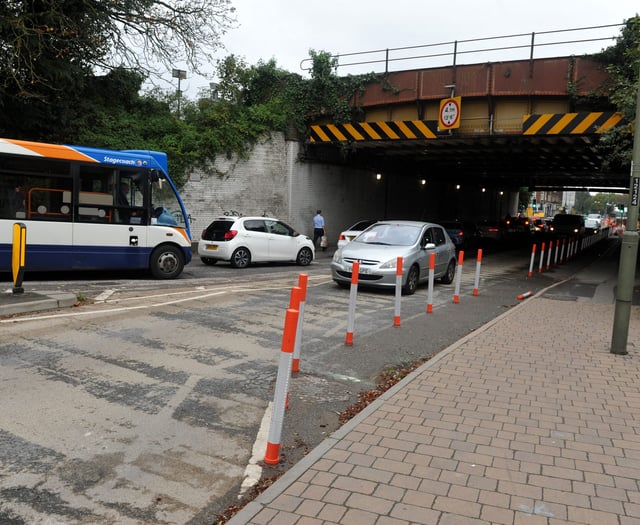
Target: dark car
<point>568,224</point>
<point>464,234</point>
<point>518,226</point>
<point>539,225</point>
<point>492,231</point>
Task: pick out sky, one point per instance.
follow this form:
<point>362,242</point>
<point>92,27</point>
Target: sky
<point>286,30</point>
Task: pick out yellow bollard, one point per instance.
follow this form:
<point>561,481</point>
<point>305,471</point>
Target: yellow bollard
<point>18,255</point>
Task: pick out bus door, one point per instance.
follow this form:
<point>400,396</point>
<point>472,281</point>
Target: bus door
<point>110,221</point>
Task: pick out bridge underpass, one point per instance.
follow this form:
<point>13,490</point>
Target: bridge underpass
<point>527,123</point>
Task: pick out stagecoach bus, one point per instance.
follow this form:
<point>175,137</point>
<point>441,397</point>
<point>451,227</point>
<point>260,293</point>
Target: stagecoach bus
<point>88,209</point>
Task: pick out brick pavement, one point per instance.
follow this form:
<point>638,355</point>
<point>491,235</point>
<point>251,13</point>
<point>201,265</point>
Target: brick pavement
<point>528,420</point>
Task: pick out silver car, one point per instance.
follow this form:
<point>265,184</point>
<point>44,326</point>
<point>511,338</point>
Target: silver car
<point>379,246</point>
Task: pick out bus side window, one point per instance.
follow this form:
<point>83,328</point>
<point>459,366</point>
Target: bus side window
<point>94,206</point>
<point>46,200</point>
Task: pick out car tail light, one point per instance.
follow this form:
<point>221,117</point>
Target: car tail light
<point>460,234</point>
<point>203,232</point>
<point>230,235</point>
<point>341,237</point>
<point>493,230</point>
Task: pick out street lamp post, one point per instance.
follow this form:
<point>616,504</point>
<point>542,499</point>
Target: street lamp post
<point>180,74</point>
<point>213,87</point>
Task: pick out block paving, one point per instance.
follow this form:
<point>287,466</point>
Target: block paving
<point>529,420</point>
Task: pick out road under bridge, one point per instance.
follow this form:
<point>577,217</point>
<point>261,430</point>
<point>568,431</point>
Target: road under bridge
<point>526,123</point>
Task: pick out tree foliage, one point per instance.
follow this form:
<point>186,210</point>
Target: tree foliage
<point>623,65</point>
<point>46,40</point>
<point>53,50</point>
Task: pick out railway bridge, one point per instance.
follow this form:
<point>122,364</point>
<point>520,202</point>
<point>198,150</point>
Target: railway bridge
<point>474,133</point>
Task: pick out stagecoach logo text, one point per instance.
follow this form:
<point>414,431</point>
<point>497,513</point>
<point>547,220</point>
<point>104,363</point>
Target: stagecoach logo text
<point>124,162</point>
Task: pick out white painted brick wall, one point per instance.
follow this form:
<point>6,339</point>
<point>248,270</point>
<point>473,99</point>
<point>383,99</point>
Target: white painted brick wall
<point>272,180</point>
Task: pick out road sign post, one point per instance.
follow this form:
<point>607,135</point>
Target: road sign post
<point>629,249</point>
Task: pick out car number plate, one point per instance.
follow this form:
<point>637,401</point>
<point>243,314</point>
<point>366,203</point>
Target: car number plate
<point>361,269</point>
<point>212,247</point>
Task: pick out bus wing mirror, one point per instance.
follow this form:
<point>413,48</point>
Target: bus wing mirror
<point>156,176</point>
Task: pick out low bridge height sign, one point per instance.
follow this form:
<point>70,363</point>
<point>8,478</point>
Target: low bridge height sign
<point>449,115</point>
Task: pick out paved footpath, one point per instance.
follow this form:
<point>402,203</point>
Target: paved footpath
<point>528,420</point>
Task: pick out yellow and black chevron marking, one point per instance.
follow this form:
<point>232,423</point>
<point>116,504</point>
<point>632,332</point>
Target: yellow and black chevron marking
<point>361,131</point>
<point>583,123</point>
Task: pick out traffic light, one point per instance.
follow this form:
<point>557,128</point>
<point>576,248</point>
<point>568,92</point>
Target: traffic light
<point>534,205</point>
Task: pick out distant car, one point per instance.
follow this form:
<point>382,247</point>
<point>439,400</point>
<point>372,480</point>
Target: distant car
<point>243,240</point>
<point>377,250</point>
<point>352,232</point>
<point>539,225</point>
<point>568,224</point>
<point>593,222</point>
<point>489,230</point>
<point>518,226</point>
<point>462,233</point>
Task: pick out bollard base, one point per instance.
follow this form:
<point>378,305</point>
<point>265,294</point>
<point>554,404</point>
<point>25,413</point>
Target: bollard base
<point>272,456</point>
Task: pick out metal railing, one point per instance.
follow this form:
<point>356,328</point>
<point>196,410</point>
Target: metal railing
<point>452,48</point>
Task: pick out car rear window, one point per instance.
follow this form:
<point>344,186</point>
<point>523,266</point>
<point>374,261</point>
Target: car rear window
<point>216,230</point>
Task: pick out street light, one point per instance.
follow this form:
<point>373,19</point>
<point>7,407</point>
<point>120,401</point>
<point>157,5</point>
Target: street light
<point>214,90</point>
<point>180,74</point>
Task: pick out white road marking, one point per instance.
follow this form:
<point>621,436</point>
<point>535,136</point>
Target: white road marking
<point>253,471</point>
<point>104,296</point>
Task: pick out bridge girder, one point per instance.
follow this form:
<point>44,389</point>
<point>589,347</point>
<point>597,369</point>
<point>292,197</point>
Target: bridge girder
<point>509,161</point>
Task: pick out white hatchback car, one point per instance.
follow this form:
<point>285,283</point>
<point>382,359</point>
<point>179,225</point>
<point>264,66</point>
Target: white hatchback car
<point>352,232</point>
<point>243,240</point>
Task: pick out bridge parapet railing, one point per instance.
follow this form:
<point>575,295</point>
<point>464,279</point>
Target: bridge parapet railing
<point>507,47</point>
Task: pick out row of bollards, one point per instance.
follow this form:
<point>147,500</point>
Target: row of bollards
<point>562,250</point>
<point>292,336</point>
<point>552,253</point>
<point>398,289</point>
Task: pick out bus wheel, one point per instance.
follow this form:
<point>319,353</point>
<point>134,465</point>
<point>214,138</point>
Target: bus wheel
<point>167,262</point>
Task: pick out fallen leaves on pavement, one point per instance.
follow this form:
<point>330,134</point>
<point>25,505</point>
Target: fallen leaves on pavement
<point>386,380</point>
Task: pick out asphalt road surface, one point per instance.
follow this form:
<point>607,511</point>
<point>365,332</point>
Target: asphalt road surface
<point>150,402</point>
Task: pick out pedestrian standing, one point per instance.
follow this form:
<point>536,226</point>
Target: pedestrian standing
<point>318,228</point>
